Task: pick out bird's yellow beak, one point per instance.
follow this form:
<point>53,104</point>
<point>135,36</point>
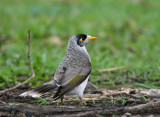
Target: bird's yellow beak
<point>92,38</point>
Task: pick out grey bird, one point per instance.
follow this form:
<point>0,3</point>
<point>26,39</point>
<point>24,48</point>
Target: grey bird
<point>73,73</point>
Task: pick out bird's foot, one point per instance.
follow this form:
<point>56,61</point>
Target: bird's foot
<point>83,101</point>
<point>61,101</point>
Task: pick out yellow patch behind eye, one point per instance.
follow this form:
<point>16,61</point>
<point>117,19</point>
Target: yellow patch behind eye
<point>81,39</point>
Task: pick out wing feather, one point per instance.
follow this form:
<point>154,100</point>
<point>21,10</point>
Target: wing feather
<point>74,82</point>
<point>70,85</point>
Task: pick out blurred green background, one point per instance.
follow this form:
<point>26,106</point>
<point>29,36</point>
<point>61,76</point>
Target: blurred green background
<point>127,31</point>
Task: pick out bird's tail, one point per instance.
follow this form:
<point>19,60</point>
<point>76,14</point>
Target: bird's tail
<point>38,91</point>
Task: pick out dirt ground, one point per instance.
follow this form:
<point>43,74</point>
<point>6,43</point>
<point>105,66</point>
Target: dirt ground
<point>109,106</point>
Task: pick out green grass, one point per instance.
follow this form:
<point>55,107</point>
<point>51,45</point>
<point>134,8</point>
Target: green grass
<point>127,31</point>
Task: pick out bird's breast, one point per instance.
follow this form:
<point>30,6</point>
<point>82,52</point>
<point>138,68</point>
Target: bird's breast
<point>77,58</point>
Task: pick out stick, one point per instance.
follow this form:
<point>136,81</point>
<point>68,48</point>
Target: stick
<point>111,69</point>
<point>92,85</point>
<point>33,74</point>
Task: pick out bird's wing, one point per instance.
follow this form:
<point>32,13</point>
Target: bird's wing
<point>71,78</point>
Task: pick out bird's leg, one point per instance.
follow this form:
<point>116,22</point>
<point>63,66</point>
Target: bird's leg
<point>83,101</point>
<point>62,100</point>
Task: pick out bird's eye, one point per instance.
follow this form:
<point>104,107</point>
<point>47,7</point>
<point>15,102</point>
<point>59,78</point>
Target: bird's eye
<point>81,40</point>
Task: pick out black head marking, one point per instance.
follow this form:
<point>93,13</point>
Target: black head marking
<point>83,36</point>
<point>80,36</point>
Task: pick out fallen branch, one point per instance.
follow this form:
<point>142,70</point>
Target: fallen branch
<point>151,107</point>
<point>72,111</point>
<point>33,74</point>
<point>148,107</point>
<point>111,69</point>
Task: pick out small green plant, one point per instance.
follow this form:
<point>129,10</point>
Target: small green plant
<point>43,101</point>
<point>14,102</point>
<point>116,116</point>
<point>143,98</point>
<point>58,102</point>
<point>118,99</point>
<point>93,101</point>
<point>122,99</point>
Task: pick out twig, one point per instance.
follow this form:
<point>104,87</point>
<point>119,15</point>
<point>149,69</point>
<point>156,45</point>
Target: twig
<point>1,102</point>
<point>111,69</point>
<point>33,74</point>
<point>92,85</point>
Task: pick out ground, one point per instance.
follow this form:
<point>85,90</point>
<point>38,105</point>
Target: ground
<point>98,104</point>
<point>126,53</point>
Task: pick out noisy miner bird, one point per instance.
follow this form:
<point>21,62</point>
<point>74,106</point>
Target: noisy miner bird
<point>73,73</point>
